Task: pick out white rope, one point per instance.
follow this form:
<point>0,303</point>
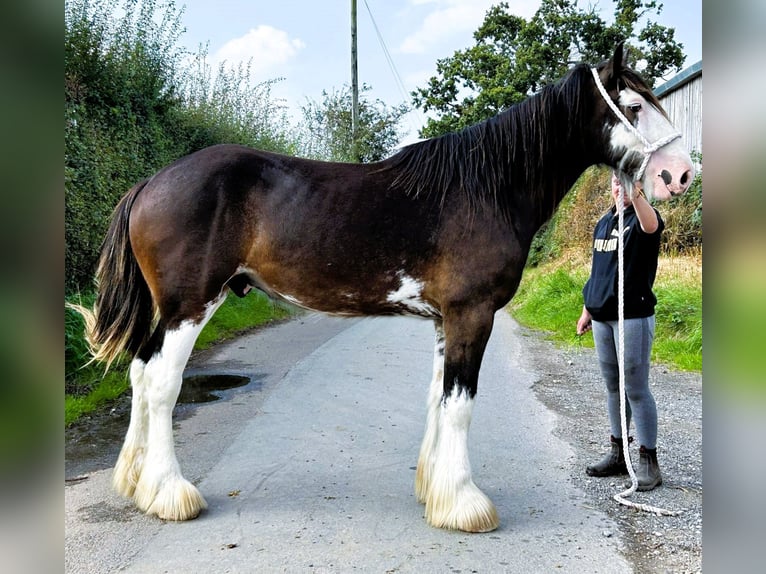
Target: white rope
<point>649,148</point>
<point>621,352</point>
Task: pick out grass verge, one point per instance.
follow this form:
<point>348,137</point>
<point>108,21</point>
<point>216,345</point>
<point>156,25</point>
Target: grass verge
<point>550,299</point>
<point>88,387</point>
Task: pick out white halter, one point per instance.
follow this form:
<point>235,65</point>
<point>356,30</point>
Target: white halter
<point>649,148</point>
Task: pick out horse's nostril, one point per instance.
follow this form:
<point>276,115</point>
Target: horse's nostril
<point>666,177</point>
<point>685,177</point>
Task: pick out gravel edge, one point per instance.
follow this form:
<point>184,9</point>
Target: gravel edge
<point>574,390</point>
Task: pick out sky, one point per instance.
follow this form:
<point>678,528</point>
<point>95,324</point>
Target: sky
<point>307,44</point>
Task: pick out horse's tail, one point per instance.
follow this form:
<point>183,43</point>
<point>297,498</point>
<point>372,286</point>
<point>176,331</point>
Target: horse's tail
<point>122,317</point>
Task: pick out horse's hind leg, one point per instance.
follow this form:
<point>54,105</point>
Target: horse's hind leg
<point>129,464</point>
<point>453,501</point>
<point>160,488</point>
<point>428,446</point>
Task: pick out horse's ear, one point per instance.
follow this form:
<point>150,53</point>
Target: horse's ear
<point>618,59</point>
<point>615,65</point>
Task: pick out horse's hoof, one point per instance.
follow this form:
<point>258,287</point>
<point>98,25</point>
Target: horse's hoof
<point>178,499</point>
<point>469,510</point>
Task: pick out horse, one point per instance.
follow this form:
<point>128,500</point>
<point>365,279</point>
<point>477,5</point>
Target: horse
<point>441,230</point>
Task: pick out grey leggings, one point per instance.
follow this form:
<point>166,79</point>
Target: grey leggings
<point>639,334</point>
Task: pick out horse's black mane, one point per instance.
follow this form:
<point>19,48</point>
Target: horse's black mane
<point>477,160</point>
<point>508,154</point>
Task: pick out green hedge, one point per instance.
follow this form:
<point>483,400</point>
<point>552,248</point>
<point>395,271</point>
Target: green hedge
<point>136,101</point>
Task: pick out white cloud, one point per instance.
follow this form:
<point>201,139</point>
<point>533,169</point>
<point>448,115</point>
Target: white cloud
<point>449,18</point>
<point>267,48</point>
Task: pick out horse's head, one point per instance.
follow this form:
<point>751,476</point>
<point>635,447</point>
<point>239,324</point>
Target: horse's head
<point>643,144</point>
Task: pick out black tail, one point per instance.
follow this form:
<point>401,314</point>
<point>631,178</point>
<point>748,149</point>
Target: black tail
<point>121,319</point>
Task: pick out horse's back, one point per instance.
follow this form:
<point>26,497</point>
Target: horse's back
<point>331,236</point>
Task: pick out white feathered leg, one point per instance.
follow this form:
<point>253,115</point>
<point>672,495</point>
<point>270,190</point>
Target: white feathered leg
<point>131,459</point>
<point>160,488</point>
<point>453,500</point>
<point>431,436</point>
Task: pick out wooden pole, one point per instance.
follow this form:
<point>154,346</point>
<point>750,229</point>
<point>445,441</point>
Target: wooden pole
<point>354,88</point>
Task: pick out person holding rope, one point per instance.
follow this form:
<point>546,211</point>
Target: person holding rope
<point>642,229</point>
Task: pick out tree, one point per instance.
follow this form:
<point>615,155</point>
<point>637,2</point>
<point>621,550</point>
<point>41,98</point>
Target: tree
<point>513,58</point>
<point>326,127</point>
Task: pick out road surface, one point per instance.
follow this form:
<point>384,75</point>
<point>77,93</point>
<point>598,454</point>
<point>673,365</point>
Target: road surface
<point>310,467</point>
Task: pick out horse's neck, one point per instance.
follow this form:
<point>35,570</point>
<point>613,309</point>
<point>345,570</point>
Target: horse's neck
<point>547,157</point>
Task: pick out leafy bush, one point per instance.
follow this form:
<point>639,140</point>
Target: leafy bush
<point>327,128</point>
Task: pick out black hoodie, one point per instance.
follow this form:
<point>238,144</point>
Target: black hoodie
<point>641,252</point>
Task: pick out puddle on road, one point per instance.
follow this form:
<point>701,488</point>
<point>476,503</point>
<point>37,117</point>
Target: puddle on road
<point>93,442</point>
<point>201,388</point>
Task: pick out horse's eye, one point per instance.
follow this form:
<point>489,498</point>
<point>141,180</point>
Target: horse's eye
<point>635,108</point>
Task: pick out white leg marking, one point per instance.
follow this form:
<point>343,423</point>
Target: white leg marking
<point>431,437</point>
<point>161,489</point>
<point>131,459</point>
<point>453,500</point>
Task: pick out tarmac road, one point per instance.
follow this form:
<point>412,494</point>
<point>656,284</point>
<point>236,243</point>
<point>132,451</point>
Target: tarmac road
<point>310,468</point>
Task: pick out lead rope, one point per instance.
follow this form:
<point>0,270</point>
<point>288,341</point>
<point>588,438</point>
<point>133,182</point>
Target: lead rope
<point>621,352</point>
<point>649,149</point>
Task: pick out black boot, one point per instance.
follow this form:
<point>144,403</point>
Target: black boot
<point>613,463</point>
<point>648,473</point>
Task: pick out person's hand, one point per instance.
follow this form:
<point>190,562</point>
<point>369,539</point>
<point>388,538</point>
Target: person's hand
<point>638,190</point>
<point>584,323</point>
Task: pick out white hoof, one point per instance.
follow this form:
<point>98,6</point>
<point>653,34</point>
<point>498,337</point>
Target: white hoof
<point>468,509</point>
<point>175,499</point>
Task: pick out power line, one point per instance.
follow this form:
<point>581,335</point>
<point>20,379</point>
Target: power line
<point>397,77</point>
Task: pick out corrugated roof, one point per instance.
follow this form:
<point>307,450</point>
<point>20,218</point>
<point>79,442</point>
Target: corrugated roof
<point>679,80</point>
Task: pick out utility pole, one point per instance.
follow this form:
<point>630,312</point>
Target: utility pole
<point>354,88</point>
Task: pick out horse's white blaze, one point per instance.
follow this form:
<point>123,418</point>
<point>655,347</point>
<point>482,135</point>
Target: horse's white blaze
<point>650,121</point>
<point>409,295</point>
<point>430,439</point>
<point>671,158</point>
<point>621,137</point>
<point>151,462</point>
<point>453,500</point>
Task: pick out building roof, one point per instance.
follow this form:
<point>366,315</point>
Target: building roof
<point>679,80</point>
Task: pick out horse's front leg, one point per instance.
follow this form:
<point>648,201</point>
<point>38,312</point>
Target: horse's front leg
<point>430,439</point>
<point>453,501</point>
